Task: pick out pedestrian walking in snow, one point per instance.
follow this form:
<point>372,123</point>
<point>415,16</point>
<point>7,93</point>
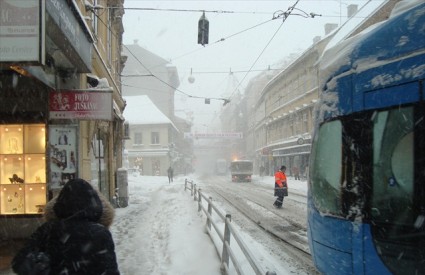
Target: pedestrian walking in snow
<point>170,174</point>
<point>296,172</point>
<point>281,186</point>
<point>75,238</point>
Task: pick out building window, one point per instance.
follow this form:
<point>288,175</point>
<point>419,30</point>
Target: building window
<point>110,35</point>
<point>94,18</point>
<point>138,138</point>
<point>305,122</point>
<point>155,138</point>
<point>291,126</point>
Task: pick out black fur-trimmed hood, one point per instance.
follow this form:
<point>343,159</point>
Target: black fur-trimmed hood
<point>79,200</point>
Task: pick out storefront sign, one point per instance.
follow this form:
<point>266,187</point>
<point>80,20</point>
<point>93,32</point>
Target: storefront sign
<point>67,26</point>
<point>20,38</point>
<point>23,32</point>
<point>83,105</point>
<point>237,135</point>
<point>292,150</point>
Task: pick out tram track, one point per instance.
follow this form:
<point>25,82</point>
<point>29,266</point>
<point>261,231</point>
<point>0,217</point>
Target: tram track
<point>250,205</point>
<point>279,227</point>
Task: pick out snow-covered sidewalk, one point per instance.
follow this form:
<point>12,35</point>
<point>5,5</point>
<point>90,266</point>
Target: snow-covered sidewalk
<point>161,232</point>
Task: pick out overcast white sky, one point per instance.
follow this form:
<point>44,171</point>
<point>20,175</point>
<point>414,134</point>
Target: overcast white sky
<point>172,35</point>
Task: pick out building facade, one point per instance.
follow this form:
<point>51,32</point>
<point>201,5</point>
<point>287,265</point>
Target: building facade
<point>60,93</point>
<point>146,74</point>
<point>281,115</point>
<point>151,146</point>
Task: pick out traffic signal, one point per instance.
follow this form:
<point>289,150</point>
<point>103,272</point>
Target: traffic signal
<point>203,29</point>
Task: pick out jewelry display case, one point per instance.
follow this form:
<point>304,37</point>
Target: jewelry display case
<point>11,137</point>
<point>22,169</point>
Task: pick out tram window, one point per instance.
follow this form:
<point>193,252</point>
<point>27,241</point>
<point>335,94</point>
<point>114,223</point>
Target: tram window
<point>325,184</point>
<point>393,166</point>
<point>402,163</point>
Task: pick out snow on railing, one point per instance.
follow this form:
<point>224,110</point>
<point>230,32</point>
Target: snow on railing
<point>229,231</point>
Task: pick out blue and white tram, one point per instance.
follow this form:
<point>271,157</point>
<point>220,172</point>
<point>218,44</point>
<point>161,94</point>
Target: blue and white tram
<point>367,169</point>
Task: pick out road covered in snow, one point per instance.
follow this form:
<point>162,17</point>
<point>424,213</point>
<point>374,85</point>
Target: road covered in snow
<point>162,232</point>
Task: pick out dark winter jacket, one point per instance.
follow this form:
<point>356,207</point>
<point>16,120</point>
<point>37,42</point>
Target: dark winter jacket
<point>73,240</point>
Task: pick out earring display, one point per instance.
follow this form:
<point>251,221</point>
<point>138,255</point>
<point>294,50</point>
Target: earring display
<point>22,169</point>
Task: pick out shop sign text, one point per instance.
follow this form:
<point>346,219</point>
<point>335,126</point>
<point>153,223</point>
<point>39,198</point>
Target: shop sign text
<point>81,105</point>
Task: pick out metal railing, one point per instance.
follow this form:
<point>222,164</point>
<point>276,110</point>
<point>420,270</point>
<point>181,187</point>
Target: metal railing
<point>227,253</point>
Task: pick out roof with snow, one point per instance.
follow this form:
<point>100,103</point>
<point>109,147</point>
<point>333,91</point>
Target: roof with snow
<point>351,25</point>
<point>141,110</point>
<point>133,64</point>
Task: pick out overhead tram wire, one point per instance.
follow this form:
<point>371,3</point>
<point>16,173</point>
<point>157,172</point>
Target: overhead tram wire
<point>159,79</point>
<point>284,16</point>
<point>304,14</point>
<point>218,41</point>
<point>222,11</point>
<point>178,90</point>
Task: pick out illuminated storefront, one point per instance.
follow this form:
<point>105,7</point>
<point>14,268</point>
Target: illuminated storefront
<point>45,47</point>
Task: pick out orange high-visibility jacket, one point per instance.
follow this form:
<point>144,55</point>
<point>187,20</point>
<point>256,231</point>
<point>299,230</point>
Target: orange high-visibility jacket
<point>280,178</point>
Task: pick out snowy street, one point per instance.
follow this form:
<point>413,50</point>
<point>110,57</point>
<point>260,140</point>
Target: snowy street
<point>161,231</point>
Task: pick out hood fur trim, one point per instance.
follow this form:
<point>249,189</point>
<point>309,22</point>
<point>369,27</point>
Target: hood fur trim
<point>106,219</point>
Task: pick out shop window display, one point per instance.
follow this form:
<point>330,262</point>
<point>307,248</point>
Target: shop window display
<point>22,169</point>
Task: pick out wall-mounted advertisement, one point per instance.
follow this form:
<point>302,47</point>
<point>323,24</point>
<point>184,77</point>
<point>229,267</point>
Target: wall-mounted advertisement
<point>62,155</point>
<point>20,30</point>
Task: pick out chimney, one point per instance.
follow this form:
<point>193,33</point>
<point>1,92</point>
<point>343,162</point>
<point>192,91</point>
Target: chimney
<point>351,10</point>
<point>329,27</point>
<point>316,39</point>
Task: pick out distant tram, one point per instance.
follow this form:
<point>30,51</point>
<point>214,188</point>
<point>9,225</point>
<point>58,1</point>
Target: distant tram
<point>241,170</point>
<point>367,168</point>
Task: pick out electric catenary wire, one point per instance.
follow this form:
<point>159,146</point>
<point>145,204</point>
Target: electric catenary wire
<point>277,15</point>
<point>284,16</point>
<point>150,73</point>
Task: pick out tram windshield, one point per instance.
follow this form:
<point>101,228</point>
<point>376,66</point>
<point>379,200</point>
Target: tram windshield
<point>327,174</point>
<point>393,163</point>
<point>379,172</point>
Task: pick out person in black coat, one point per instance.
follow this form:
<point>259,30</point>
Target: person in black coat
<point>75,238</point>
<point>170,172</point>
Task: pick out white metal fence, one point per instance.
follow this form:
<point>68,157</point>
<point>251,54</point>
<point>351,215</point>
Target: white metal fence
<point>229,231</point>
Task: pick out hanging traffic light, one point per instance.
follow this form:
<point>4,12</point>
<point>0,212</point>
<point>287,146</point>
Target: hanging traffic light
<point>203,29</point>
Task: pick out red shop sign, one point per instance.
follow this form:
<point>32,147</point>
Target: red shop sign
<point>83,105</point>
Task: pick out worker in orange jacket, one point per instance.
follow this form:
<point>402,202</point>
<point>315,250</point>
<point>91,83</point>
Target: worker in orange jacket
<point>279,184</point>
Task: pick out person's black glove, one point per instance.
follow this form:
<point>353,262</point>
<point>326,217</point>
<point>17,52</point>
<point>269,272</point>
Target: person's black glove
<point>36,263</point>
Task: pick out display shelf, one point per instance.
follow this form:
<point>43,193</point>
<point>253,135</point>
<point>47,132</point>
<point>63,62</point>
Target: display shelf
<point>12,199</point>
<point>35,168</point>
<point>35,198</point>
<point>34,139</point>
<point>12,169</point>
<point>11,139</point>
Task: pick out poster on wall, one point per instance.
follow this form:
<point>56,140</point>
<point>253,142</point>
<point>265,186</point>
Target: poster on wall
<point>62,155</point>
